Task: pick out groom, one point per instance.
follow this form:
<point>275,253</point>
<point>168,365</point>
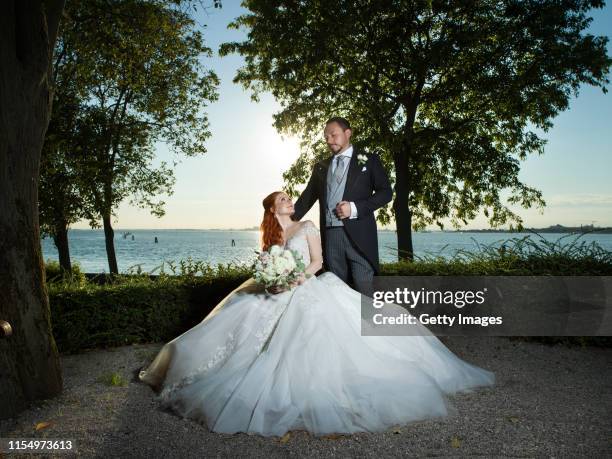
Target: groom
<point>349,186</point>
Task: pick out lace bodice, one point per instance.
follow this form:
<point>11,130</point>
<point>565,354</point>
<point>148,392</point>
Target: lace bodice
<point>299,243</point>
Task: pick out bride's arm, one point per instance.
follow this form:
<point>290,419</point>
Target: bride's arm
<point>316,253</point>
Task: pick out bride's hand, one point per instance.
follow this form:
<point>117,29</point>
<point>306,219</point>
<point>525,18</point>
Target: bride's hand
<point>276,289</point>
<point>294,284</point>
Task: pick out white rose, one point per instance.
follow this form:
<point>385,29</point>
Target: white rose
<point>291,264</point>
<point>282,264</point>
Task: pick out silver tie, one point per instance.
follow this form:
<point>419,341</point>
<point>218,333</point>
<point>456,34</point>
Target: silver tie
<point>339,171</point>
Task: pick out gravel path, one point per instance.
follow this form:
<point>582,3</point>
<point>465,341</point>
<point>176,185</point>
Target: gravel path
<point>548,401</point>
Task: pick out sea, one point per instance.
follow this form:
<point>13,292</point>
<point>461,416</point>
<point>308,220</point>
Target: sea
<point>137,247</point>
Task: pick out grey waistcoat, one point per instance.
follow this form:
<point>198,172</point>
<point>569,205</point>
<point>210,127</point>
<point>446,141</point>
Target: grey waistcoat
<point>335,191</point>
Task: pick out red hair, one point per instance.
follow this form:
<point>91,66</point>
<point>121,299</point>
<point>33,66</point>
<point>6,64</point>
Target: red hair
<point>271,230</point>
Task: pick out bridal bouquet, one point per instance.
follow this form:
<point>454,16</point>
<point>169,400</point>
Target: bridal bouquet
<point>278,267</point>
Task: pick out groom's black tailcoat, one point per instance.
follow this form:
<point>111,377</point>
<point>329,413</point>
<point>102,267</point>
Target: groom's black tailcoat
<point>369,189</point>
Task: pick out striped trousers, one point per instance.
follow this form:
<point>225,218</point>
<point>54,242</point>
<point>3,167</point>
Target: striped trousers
<point>346,262</point>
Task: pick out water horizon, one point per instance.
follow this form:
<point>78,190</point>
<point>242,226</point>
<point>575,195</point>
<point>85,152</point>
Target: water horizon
<point>137,247</point>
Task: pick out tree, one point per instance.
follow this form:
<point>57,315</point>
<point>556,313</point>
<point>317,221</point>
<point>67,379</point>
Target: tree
<point>61,202</point>
<point>138,81</point>
<point>445,91</point>
<point>61,198</point>
<point>29,362</point>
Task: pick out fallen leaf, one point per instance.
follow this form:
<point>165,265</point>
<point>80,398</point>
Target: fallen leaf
<point>42,425</point>
<point>455,442</point>
<point>332,436</point>
<point>285,438</point>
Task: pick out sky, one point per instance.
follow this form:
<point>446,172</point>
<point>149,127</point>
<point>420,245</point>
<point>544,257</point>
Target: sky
<point>246,156</point>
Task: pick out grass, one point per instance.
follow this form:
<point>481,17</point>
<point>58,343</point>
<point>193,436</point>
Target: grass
<point>513,257</point>
<point>112,379</point>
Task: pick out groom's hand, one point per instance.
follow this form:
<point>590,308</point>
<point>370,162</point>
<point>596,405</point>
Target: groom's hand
<point>343,209</point>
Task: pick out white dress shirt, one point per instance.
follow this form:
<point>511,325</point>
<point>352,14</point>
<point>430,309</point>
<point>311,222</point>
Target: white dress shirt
<point>347,153</point>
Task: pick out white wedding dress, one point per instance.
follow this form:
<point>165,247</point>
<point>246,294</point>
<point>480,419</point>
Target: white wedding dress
<point>268,364</point>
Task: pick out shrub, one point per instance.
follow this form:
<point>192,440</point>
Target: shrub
<point>54,273</point>
<point>142,307</point>
<point>130,309</point>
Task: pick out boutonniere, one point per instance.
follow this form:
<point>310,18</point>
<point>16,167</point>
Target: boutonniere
<point>362,159</point>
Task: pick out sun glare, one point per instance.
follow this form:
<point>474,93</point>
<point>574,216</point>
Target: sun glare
<point>276,150</point>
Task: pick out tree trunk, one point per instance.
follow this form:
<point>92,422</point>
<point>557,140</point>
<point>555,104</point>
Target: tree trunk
<point>403,216</point>
<point>29,360</point>
<point>109,236</point>
<point>61,242</point>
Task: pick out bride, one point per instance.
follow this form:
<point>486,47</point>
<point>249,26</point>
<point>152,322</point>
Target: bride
<point>296,360</point>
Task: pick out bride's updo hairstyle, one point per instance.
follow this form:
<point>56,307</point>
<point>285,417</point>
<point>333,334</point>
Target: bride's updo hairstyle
<point>271,230</point>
